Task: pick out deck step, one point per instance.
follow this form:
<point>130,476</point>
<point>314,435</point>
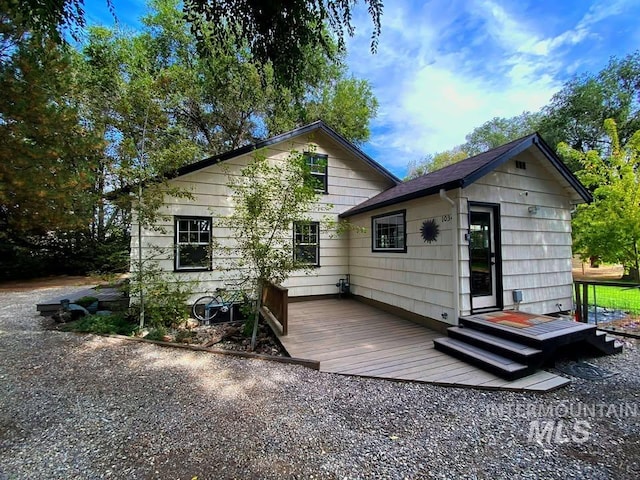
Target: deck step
<point>497,364</point>
<point>546,336</point>
<point>604,343</point>
<point>501,346</point>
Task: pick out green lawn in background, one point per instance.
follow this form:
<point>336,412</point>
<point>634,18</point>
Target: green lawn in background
<point>626,299</point>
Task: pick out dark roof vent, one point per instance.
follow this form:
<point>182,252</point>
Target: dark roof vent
<point>521,165</point>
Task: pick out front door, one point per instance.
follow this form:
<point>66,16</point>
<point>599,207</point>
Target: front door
<point>483,258</point>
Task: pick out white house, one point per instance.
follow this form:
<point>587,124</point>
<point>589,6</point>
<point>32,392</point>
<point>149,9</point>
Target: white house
<point>491,232</point>
<point>348,175</point>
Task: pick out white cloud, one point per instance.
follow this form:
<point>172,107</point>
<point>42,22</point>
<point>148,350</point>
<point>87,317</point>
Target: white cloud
<point>447,66</point>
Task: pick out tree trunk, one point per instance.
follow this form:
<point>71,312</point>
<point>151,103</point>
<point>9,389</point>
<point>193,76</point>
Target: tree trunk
<point>140,277</point>
<point>256,318</point>
<point>635,272</point>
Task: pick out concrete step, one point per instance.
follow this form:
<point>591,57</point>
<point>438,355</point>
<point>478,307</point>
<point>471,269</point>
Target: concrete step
<point>501,346</point>
<point>497,364</point>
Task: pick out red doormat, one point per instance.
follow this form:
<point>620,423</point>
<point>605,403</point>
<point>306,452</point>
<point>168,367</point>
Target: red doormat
<point>516,319</point>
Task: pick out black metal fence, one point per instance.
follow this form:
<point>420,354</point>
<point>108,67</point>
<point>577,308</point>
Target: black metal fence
<point>604,302</point>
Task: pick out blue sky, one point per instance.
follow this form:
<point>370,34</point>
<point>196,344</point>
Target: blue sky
<point>444,67</point>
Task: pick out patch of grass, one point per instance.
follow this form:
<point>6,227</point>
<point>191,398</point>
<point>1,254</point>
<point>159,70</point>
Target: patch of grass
<point>102,324</point>
<point>616,298</point>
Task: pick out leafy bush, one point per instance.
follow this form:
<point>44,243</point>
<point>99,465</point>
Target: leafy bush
<point>165,298</point>
<point>102,324</point>
<point>158,333</point>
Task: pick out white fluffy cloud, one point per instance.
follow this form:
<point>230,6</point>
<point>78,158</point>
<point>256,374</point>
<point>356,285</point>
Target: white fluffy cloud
<point>446,66</point>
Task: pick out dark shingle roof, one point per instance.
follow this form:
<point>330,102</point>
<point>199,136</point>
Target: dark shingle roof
<point>318,125</point>
<point>464,173</point>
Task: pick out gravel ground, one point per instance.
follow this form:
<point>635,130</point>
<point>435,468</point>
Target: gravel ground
<point>83,406</point>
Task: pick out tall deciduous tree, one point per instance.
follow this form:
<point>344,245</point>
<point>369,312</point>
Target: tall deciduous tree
<point>431,163</point>
<point>272,32</point>
<point>232,98</point>
<point>500,130</point>
<point>609,228</point>
<point>46,152</point>
<point>577,113</point>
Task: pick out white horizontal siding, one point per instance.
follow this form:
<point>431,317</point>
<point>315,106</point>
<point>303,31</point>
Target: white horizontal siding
<point>536,248</point>
<point>419,280</point>
<point>350,181</point>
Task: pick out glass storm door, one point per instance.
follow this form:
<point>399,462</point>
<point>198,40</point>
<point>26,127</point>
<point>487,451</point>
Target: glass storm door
<point>482,257</point>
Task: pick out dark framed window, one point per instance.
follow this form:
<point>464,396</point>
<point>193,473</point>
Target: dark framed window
<point>389,232</point>
<point>193,243</point>
<point>306,243</point>
<point>317,164</point>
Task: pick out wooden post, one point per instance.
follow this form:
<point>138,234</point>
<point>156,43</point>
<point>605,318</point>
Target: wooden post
<point>578,302</point>
<point>585,302</point>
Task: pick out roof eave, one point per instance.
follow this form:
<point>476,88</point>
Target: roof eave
<point>404,198</point>
<point>317,125</point>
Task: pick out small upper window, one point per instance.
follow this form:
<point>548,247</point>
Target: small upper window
<point>317,164</point>
<point>521,165</point>
<point>193,243</point>
<point>389,232</point>
<point>306,243</point>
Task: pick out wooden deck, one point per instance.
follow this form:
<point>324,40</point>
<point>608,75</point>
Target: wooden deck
<point>352,338</point>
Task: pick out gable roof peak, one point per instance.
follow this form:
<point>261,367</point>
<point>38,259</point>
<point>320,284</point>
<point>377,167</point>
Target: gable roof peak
<point>317,125</point>
<point>466,172</point>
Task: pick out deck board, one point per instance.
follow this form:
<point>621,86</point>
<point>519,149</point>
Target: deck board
<point>352,338</point>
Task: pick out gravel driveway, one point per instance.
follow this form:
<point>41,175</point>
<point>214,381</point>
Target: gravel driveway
<point>83,406</point>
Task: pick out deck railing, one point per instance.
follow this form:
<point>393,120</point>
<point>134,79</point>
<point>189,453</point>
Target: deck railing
<point>602,302</point>
<point>275,306</point>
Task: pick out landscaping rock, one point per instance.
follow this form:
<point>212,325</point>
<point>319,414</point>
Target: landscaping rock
<point>85,406</point>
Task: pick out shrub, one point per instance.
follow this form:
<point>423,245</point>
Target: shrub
<point>158,333</point>
<point>102,324</point>
<point>165,298</point>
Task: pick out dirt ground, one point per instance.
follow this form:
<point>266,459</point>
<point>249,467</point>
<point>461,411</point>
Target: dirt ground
<point>604,272</point>
<point>51,282</point>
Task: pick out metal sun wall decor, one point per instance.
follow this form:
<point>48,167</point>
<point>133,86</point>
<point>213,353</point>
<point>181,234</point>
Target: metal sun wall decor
<point>429,230</point>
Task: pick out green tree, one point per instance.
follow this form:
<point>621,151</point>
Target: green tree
<point>433,162</point>
<point>272,32</point>
<point>499,131</point>
<point>46,152</point>
<point>347,104</point>
<point>268,197</point>
<point>609,227</point>
<point>230,99</point>
<point>577,113</point>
